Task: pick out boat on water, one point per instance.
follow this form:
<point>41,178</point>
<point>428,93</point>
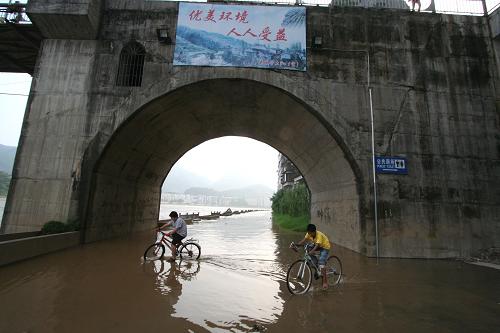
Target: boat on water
<point>188,218</point>
<point>196,217</point>
<point>209,217</point>
<point>228,212</point>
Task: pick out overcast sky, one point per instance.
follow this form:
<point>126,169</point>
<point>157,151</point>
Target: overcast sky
<point>12,106</point>
<point>249,159</point>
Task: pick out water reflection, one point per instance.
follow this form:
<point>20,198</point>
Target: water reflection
<point>238,286</point>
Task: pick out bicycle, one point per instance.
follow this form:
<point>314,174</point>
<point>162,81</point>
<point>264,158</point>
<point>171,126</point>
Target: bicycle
<point>187,250</point>
<point>187,268</point>
<point>300,273</point>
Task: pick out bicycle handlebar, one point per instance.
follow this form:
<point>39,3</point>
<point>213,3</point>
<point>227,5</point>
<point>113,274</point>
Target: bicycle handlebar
<point>157,229</point>
<point>307,247</point>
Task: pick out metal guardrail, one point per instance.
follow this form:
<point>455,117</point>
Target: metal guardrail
<point>393,4</point>
<point>492,5</point>
<point>458,7</point>
<point>13,12</point>
<point>461,7</point>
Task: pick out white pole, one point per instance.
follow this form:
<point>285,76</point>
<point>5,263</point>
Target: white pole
<point>373,142</point>
<point>375,210</point>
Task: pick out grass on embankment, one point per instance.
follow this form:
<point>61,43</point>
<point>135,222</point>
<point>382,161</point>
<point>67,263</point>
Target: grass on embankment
<point>294,223</point>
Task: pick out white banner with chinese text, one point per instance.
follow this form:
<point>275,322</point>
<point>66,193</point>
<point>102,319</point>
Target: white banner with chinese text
<point>241,36</point>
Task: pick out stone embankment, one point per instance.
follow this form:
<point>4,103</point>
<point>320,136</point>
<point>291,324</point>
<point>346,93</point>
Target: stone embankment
<point>489,257</point>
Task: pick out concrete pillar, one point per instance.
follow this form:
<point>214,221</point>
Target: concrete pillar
<point>47,167</point>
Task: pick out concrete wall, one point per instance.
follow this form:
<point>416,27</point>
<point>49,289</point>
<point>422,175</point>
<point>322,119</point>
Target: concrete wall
<point>99,153</point>
<point>15,250</point>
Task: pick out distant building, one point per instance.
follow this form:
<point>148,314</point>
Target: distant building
<point>288,174</point>
<point>258,201</point>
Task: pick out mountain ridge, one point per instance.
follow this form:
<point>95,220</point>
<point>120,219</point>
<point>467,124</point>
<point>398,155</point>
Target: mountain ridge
<point>7,156</point>
<point>179,180</point>
<point>257,190</point>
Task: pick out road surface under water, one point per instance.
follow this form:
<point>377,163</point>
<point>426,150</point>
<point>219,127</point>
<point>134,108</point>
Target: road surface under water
<point>238,286</point>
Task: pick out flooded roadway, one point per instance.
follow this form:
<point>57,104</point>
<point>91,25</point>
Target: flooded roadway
<point>238,286</point>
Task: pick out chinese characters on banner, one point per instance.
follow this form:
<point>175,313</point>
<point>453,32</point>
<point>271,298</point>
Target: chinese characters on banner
<point>241,36</point>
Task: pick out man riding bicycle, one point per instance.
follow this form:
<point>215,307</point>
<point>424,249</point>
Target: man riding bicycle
<point>178,233</point>
<point>321,244</point>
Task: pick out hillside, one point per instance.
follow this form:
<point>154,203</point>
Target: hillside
<point>253,191</point>
<point>4,184</point>
<point>179,180</point>
<point>7,155</point>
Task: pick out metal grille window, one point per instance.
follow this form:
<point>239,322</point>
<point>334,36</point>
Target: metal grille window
<point>131,65</point>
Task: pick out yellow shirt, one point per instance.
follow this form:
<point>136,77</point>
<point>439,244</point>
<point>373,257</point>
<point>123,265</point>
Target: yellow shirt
<point>320,239</point>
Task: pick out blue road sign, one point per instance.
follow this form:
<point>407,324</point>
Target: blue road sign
<point>392,165</point>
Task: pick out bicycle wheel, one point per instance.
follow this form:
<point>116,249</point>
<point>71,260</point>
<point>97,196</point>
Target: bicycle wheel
<point>299,277</point>
<point>189,251</point>
<point>153,267</point>
<point>154,252</point>
<point>333,270</point>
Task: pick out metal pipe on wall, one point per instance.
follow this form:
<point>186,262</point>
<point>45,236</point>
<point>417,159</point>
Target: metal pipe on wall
<point>372,130</point>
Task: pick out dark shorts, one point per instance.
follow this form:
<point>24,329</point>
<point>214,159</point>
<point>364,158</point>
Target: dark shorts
<point>176,238</point>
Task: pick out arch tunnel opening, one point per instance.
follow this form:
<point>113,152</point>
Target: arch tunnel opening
<point>126,182</point>
<point>228,172</point>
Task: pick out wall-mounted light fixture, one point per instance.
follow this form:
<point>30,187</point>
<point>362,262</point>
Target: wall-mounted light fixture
<point>317,42</point>
<point>164,36</point>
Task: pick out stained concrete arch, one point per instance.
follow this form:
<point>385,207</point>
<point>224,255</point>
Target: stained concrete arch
<point>126,181</point>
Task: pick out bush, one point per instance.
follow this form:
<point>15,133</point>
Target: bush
<point>73,225</point>
<point>291,208</point>
<point>294,223</point>
<point>294,202</point>
<point>4,183</point>
<point>56,227</point>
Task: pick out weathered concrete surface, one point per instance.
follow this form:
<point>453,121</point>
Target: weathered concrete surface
<point>7,237</point>
<point>97,152</point>
<point>21,249</point>
<point>59,19</point>
<point>495,23</point>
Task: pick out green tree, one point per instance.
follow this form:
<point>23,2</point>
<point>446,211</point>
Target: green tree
<point>291,208</point>
<point>293,202</point>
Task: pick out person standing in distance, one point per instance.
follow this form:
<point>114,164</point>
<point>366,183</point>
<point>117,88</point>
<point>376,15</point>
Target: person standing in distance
<point>178,233</point>
<point>413,3</point>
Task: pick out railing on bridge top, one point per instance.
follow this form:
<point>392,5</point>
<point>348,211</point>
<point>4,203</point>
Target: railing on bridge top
<point>15,11</point>
<point>458,7</point>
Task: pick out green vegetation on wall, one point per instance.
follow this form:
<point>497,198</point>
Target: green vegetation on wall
<point>55,227</point>
<point>291,207</point>
<point>4,183</point>
<point>294,223</point>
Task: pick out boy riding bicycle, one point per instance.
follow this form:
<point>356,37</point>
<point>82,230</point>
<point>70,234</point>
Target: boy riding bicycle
<point>178,233</point>
<point>321,244</point>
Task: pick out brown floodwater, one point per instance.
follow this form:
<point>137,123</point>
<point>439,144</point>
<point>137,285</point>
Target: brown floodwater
<point>238,286</point>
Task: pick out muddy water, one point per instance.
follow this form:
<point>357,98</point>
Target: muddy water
<point>237,286</point>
